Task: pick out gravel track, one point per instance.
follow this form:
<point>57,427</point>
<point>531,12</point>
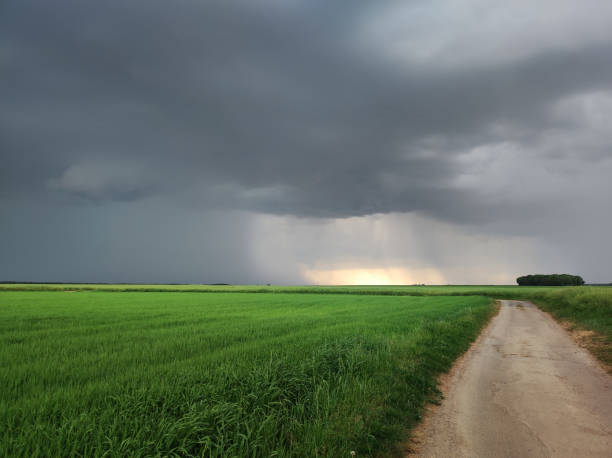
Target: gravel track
<point>524,389</point>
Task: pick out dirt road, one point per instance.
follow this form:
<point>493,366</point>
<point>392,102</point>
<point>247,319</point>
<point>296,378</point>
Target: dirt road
<point>525,389</point>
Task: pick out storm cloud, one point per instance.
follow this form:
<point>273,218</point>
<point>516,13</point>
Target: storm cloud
<point>487,120</point>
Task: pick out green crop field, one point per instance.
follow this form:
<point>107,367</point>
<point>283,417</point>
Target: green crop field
<point>222,374</point>
<point>588,306</point>
<point>450,290</point>
<point>140,370</point>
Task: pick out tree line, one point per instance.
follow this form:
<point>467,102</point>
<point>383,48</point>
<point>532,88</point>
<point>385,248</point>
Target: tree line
<point>550,280</point>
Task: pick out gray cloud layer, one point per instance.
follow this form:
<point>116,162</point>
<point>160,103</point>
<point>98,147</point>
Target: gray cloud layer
<point>494,117</point>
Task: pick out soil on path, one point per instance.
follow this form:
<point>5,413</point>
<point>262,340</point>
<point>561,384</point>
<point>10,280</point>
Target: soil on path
<point>525,389</point>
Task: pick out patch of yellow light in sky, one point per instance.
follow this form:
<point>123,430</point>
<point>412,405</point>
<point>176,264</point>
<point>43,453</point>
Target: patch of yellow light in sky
<point>374,276</point>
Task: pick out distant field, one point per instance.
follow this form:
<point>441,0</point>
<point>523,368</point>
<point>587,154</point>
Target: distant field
<point>589,307</point>
<point>451,290</point>
<point>219,374</point>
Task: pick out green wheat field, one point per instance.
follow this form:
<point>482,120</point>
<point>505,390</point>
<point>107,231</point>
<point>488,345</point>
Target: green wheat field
<point>125,370</point>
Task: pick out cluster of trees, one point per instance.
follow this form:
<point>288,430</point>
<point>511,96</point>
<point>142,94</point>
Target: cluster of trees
<point>550,280</point>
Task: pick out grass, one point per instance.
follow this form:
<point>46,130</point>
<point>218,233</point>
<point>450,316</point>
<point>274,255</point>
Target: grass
<point>221,374</point>
<point>450,290</point>
<point>301,371</point>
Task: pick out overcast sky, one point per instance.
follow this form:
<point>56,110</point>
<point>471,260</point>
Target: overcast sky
<point>305,141</point>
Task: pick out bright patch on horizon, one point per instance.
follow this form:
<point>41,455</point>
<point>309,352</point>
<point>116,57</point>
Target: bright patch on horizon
<point>375,276</point>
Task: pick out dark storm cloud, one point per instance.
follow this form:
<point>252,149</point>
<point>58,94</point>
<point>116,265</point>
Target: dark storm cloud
<point>266,106</point>
<point>120,242</point>
<point>134,135</point>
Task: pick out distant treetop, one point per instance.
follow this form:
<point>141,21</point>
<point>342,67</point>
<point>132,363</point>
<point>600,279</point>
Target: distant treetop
<point>550,280</point>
